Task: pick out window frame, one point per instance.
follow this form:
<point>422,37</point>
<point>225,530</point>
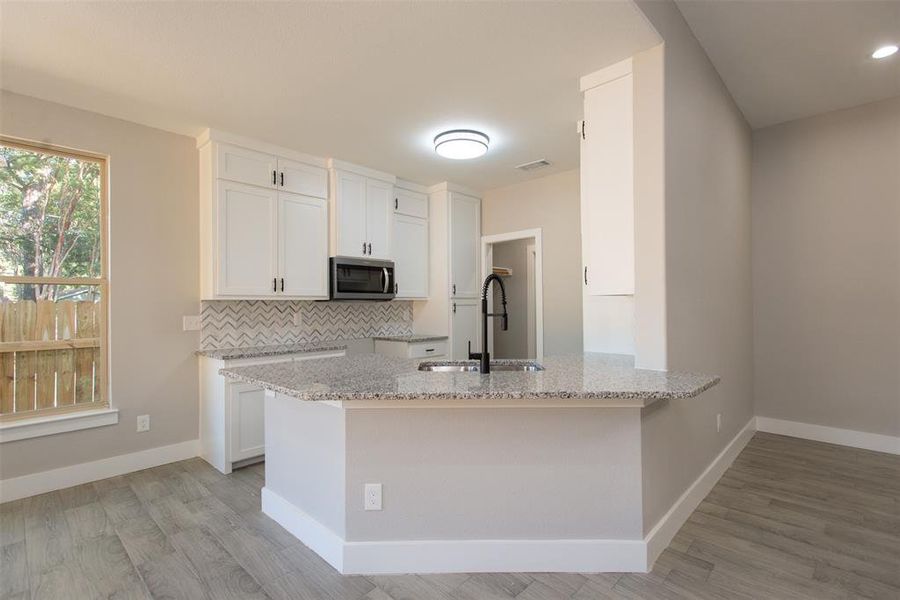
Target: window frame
<point>32,417</point>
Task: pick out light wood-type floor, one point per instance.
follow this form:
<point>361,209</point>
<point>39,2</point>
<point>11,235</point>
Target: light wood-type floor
<point>790,519</point>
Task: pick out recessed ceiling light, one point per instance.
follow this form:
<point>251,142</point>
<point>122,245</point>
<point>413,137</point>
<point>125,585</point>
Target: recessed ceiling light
<point>885,51</point>
<point>460,144</point>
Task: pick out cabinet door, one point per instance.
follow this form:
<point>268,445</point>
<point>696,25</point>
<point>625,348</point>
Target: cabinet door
<point>302,246</point>
<point>299,178</point>
<point>464,323</point>
<point>246,234</point>
<point>350,214</point>
<point>607,184</point>
<point>465,241</point>
<point>413,204</point>
<point>410,243</point>
<point>246,166</point>
<point>379,213</point>
<point>247,406</point>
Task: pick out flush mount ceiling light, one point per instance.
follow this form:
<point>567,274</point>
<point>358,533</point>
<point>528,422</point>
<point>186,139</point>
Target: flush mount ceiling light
<point>460,144</point>
<point>885,51</point>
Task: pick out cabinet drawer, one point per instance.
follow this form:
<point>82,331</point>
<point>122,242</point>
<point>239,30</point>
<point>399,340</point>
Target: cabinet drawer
<point>413,204</point>
<point>427,349</point>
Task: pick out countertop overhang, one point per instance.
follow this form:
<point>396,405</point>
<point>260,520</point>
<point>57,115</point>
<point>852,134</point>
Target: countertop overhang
<point>589,379</point>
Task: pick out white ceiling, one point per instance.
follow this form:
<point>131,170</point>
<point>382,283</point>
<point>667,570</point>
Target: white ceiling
<point>784,60</point>
<point>369,83</point>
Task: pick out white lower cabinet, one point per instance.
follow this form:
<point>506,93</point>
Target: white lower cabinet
<point>464,323</point>
<point>232,413</point>
<point>428,350</point>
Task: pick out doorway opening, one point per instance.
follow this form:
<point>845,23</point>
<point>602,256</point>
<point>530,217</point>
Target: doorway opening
<point>517,258</point>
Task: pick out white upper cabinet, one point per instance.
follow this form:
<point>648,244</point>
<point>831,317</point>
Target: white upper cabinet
<point>299,178</point>
<point>410,256</point>
<point>465,239</point>
<point>379,213</point>
<point>246,235</point>
<point>362,202</point>
<point>349,214</point>
<point>607,182</point>
<point>411,203</point>
<point>263,220</point>
<point>302,245</point>
<point>246,166</point>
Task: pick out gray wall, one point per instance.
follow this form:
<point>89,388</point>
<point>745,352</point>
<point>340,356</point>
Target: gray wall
<point>826,269</point>
<point>154,274</point>
<point>512,343</point>
<point>708,275</point>
<point>551,203</point>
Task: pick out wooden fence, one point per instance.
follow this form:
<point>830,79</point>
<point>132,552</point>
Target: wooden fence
<point>49,355</point>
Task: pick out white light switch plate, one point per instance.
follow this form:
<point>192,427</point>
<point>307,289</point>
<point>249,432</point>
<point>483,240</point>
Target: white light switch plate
<point>191,322</point>
<point>372,496</point>
<point>143,423</point>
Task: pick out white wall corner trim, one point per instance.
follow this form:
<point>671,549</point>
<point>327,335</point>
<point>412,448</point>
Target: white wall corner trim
<point>831,435</point>
<point>23,429</point>
<point>455,556</point>
<point>659,538</point>
<point>57,479</point>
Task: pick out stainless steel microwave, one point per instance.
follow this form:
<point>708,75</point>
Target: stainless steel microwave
<point>361,279</point>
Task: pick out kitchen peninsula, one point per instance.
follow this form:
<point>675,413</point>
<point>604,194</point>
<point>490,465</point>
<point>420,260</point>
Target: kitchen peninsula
<point>382,468</point>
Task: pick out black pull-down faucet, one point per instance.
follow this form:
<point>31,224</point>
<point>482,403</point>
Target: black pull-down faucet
<point>484,355</point>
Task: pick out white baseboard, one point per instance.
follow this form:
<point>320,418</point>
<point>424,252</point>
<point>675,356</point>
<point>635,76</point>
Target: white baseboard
<point>455,556</point>
<point>831,435</point>
<point>57,479</point>
<point>317,537</point>
<point>665,529</point>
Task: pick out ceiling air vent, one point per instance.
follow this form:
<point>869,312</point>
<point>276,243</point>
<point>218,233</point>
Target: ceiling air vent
<point>535,164</point>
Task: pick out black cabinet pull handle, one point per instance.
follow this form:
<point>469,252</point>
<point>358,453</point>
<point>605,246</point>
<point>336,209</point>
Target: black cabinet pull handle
<point>364,247</point>
<point>273,177</point>
<point>454,290</point>
<point>370,248</point>
<point>396,203</point>
<point>274,284</point>
<point>282,284</point>
<point>454,307</point>
<point>585,276</point>
<point>395,287</point>
<point>282,179</point>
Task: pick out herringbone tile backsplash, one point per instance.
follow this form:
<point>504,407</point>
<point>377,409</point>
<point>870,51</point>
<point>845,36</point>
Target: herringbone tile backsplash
<point>239,323</point>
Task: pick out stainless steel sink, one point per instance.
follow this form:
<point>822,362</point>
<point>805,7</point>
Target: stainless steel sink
<point>457,367</point>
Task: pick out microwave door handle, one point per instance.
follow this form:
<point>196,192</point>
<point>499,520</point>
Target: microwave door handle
<point>387,279</point>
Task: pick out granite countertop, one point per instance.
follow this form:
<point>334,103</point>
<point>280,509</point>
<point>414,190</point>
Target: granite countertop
<point>588,376</point>
<point>415,337</point>
<point>272,350</point>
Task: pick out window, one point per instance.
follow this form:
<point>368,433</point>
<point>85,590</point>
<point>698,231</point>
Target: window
<point>53,281</point>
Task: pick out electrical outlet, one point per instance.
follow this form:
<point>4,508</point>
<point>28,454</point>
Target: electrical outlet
<point>372,496</point>
<point>190,323</point>
<point>719,422</point>
<point>143,423</point>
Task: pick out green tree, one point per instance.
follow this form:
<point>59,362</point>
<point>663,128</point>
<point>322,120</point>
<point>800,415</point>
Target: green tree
<point>49,217</point>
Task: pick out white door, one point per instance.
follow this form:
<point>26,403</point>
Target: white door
<point>465,234</point>
<point>379,212</point>
<point>410,242</point>
<point>464,327</point>
<point>302,246</point>
<point>607,197</point>
<point>246,237</point>
<point>350,214</point>
<point>248,438</point>
<point>246,166</point>
<point>414,204</point>
<point>299,178</point>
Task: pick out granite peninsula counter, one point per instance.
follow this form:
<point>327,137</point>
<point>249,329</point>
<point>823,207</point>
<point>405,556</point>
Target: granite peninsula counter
<point>381,468</point>
<point>598,379</point>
